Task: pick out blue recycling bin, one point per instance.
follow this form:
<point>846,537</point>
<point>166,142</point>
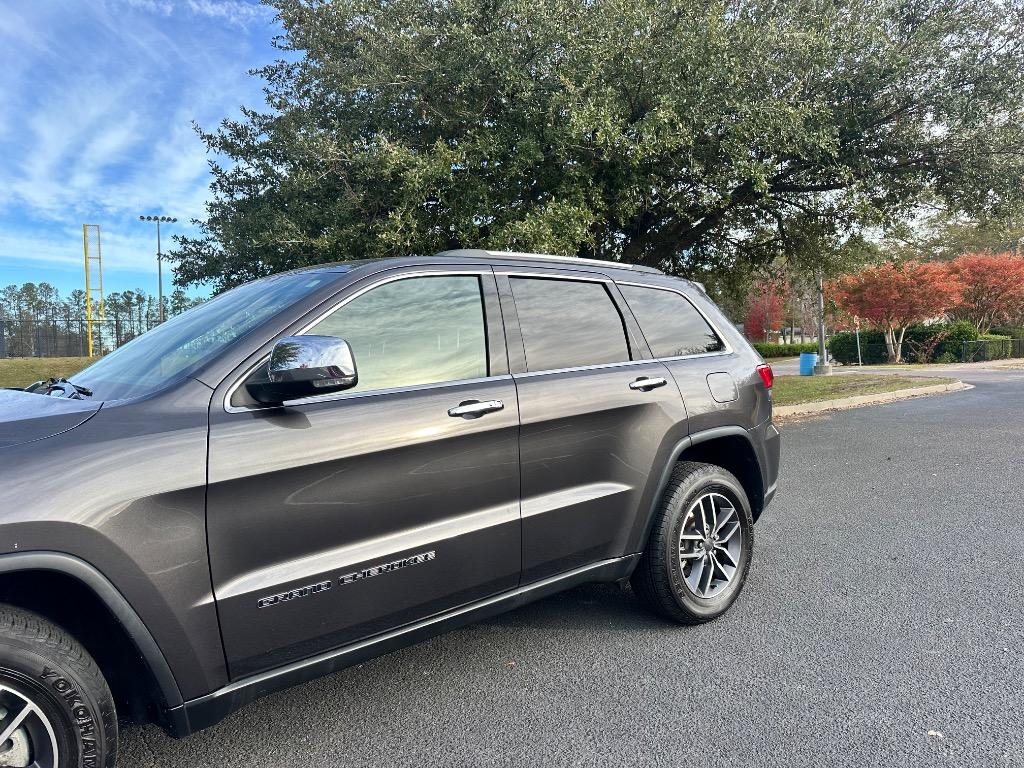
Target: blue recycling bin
<point>807,362</point>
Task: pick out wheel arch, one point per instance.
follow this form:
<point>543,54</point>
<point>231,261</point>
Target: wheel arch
<point>729,447</point>
<point>74,595</point>
<point>732,449</point>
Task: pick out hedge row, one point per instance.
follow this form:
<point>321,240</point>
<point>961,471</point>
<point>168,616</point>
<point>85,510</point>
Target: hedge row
<point>1014,332</point>
<point>940,343</point>
<point>783,350</point>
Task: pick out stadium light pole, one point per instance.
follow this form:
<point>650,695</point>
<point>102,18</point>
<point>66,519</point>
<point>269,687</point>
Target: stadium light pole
<point>159,260</point>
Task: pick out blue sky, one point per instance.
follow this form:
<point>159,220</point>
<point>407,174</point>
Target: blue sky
<point>98,99</point>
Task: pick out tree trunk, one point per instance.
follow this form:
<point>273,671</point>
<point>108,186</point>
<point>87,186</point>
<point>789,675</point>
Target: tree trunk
<point>890,344</point>
<point>899,345</point>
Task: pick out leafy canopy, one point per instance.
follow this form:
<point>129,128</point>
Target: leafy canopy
<point>694,135</point>
<point>992,288</point>
<point>895,297</point>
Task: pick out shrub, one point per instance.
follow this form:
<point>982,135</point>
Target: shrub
<point>783,350</point>
<point>953,345</point>
<point>942,342</point>
<point>843,347</point>
<point>1014,332</point>
<point>928,343</point>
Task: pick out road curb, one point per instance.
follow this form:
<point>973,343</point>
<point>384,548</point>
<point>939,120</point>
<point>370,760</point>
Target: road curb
<point>859,401</point>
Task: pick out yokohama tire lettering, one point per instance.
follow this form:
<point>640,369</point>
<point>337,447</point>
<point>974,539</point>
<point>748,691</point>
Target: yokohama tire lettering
<point>80,714</point>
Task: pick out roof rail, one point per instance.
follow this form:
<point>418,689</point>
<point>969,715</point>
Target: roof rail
<point>479,253</point>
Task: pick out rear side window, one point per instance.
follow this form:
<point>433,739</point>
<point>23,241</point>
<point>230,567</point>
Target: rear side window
<point>568,323</point>
<point>670,323</point>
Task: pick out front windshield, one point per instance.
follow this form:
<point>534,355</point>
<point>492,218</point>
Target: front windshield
<point>157,357</point>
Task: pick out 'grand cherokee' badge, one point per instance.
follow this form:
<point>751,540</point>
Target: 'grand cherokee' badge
<point>377,570</point>
<point>348,578</point>
<point>292,594</point>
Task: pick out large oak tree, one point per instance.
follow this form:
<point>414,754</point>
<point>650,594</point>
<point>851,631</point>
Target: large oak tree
<point>688,134</point>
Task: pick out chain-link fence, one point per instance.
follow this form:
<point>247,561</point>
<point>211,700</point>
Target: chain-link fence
<point>965,352</point>
<point>991,349</point>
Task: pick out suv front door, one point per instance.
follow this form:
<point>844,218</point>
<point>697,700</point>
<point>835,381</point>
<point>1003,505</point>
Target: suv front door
<point>599,418</point>
<point>339,517</point>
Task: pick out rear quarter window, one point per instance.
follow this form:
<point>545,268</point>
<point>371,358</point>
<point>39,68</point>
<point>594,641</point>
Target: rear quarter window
<point>670,323</point>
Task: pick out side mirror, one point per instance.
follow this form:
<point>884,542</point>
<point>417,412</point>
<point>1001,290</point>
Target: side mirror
<point>304,366</point>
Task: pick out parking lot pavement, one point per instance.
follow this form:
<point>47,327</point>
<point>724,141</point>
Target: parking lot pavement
<point>882,624</point>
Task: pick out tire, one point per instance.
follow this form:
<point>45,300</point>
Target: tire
<point>47,676</point>
<point>666,578</point>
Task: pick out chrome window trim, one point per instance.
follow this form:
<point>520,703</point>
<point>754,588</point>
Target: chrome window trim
<point>331,397</point>
<point>711,324</point>
<point>479,272</point>
<point>578,368</point>
<point>584,276</point>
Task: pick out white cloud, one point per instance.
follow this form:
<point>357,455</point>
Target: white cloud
<point>162,7</point>
<point>98,115</point>
<point>131,247</point>
<point>235,11</point>
<point>238,12</point>
<point>21,32</point>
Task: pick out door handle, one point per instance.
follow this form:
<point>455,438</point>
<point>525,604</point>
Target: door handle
<point>646,383</point>
<point>474,409</point>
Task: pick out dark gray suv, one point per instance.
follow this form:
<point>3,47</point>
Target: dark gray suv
<point>325,465</point>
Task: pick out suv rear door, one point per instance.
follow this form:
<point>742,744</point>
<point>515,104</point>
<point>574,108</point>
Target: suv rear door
<point>339,517</point>
<point>598,417</point>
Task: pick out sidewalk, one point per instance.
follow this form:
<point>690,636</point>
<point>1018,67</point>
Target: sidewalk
<point>790,366</point>
<point>857,401</point>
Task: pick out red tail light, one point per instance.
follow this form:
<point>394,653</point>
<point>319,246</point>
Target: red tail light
<point>765,372</point>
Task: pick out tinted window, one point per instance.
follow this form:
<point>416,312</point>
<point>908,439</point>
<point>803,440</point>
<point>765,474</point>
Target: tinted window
<point>420,330</point>
<point>670,323</point>
<point>567,323</point>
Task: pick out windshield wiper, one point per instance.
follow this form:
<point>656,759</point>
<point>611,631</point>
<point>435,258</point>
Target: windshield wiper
<point>68,389</point>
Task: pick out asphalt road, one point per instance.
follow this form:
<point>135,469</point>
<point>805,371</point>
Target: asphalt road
<point>882,624</point>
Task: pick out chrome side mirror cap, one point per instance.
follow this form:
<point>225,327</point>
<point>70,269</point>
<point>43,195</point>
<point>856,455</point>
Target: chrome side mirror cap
<point>305,366</point>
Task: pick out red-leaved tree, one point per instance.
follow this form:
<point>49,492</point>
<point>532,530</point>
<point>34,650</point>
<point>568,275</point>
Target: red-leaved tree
<point>992,288</point>
<point>895,297</point>
<point>764,310</point>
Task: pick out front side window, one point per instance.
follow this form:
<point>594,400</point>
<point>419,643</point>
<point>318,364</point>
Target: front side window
<point>418,330</point>
<point>568,323</point>
<point>187,341</point>
<point>670,323</point>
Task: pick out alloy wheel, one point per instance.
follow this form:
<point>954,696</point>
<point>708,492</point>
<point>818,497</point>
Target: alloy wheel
<point>710,545</point>
<point>27,738</point>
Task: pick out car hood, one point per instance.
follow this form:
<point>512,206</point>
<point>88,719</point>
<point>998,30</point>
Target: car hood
<point>25,416</point>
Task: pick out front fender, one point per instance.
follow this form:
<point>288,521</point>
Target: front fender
<point>125,493</point>
<point>92,579</point>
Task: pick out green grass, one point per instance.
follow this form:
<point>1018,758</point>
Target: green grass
<point>22,371</point>
<point>790,390</point>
